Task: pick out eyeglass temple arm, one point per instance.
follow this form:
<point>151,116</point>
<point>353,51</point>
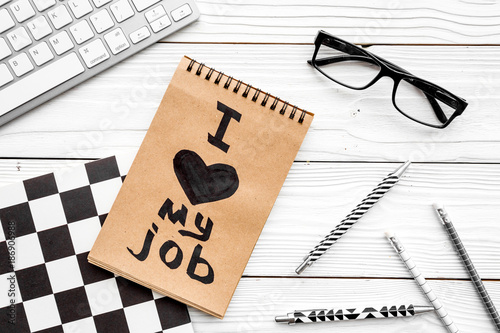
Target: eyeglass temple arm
<point>445,98</point>
<point>437,109</point>
<point>432,100</point>
<point>391,65</point>
<point>450,101</point>
<point>330,60</point>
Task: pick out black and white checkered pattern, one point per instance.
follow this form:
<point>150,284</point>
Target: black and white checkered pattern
<point>57,218</point>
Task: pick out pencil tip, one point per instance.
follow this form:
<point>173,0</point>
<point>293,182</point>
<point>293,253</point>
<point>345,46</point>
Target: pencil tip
<point>282,319</point>
<point>389,234</point>
<point>441,213</point>
<point>307,262</point>
<point>437,206</point>
<point>402,169</point>
<point>423,308</point>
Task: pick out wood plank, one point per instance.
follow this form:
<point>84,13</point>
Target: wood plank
<point>316,196</point>
<point>257,301</point>
<point>361,21</point>
<point>94,120</point>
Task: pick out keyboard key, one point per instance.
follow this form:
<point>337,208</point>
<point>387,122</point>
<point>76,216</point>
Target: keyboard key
<point>80,8</point>
<point>160,24</point>
<point>81,32</point>
<point>5,76</point>
<point>42,5</point>
<point>3,2</point>
<point>101,21</point>
<point>21,64</point>
<point>22,10</point>
<point>60,17</point>
<point>143,4</point>
<point>116,41</point>
<point>94,53</point>
<point>39,82</point>
<point>19,38</point>
<point>4,49</point>
<point>139,35</point>
<point>100,3</point>
<point>61,42</point>
<point>121,10</point>
<point>181,12</point>
<point>155,13</point>
<point>39,27</point>
<point>6,21</point>
<point>41,53</point>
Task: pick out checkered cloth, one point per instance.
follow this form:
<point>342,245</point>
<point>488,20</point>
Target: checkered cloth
<point>57,218</point>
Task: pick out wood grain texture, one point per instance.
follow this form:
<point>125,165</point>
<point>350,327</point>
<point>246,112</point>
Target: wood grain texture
<point>111,112</point>
<point>266,44</point>
<point>257,301</point>
<point>362,21</point>
<point>316,196</point>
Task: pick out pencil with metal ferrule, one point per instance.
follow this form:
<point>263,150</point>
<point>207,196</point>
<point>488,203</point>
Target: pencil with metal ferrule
<point>344,225</point>
<point>459,246</point>
<point>323,315</point>
<point>420,280</point>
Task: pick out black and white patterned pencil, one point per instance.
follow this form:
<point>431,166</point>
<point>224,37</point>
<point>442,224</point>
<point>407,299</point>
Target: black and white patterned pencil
<point>420,280</point>
<point>353,217</point>
<point>322,315</point>
<point>459,246</point>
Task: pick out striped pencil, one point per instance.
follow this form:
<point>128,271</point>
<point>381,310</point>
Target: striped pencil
<point>353,217</point>
<point>459,246</point>
<point>324,315</point>
<point>426,289</point>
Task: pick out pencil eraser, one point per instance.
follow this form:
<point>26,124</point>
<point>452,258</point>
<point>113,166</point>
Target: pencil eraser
<point>437,206</point>
<point>389,234</point>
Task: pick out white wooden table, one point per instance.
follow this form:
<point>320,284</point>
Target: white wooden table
<point>354,141</point>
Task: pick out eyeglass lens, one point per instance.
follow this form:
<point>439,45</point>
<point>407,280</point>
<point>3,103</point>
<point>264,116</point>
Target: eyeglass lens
<point>421,106</point>
<point>351,70</point>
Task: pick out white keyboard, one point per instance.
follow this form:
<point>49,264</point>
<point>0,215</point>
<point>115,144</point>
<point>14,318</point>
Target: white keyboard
<point>49,46</point>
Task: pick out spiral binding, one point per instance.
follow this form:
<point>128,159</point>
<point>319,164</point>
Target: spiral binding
<point>228,82</point>
<point>247,90</point>
<point>237,87</point>
<point>275,103</point>
<point>209,74</point>
<point>264,101</point>
<point>200,68</point>
<point>219,77</point>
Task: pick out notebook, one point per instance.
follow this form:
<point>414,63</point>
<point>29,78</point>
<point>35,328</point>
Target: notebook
<point>201,187</point>
<point>49,224</point>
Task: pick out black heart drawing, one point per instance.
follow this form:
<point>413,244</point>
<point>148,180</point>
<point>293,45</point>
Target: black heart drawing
<point>203,183</point>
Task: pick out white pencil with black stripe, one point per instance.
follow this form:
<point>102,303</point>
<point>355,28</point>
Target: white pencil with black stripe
<point>371,199</point>
<point>417,276</point>
<point>339,314</point>
<point>459,246</point>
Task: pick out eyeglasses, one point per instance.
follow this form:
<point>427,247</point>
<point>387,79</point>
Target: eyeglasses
<point>356,68</point>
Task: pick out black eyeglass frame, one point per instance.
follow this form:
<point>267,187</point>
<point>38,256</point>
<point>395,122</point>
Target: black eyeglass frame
<point>432,91</point>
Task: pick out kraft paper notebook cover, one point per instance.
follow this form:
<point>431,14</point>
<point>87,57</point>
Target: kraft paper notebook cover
<point>201,187</point>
